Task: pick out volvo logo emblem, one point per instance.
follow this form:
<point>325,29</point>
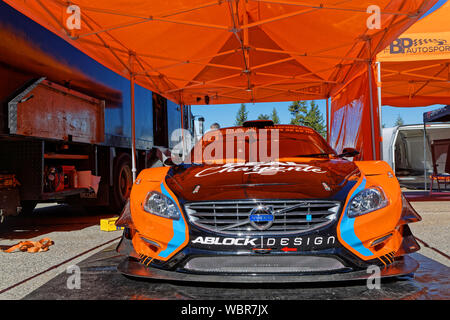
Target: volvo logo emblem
<point>261,217</point>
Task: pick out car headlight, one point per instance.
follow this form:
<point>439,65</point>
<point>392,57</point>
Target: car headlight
<point>366,201</point>
<point>161,205</point>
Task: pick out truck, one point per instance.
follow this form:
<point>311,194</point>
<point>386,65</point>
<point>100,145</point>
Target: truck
<point>65,124</point>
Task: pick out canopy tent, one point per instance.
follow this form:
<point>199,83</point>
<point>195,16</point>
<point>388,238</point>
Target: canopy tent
<point>231,51</point>
<point>415,67</point>
<point>438,115</point>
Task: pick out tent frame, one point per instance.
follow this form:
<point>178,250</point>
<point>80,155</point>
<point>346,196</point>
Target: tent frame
<point>235,28</point>
<point>138,67</point>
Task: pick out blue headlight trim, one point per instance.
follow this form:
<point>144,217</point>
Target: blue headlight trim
<point>179,230</point>
<point>347,230</point>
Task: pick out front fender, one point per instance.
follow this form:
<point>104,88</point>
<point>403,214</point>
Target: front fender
<point>378,234</point>
<point>156,237</point>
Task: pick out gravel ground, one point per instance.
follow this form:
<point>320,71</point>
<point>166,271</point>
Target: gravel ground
<point>433,230</point>
<point>75,231</point>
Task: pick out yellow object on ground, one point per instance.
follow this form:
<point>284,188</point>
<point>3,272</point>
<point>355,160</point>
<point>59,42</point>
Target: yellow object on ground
<point>109,224</point>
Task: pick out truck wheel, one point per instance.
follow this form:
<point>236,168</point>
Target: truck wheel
<point>27,207</point>
<point>122,183</point>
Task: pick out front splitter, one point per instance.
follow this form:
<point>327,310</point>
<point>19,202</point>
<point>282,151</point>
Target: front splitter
<point>130,267</point>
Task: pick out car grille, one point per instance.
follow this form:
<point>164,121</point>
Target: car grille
<point>263,264</point>
<point>290,216</point>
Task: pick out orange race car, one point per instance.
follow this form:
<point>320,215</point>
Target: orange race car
<point>231,213</point>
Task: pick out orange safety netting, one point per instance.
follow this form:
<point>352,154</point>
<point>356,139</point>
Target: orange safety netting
<point>415,67</point>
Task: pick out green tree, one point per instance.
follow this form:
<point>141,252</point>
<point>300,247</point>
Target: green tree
<point>263,117</point>
<point>399,121</point>
<point>307,116</point>
<point>298,110</point>
<point>275,118</point>
<point>241,115</point>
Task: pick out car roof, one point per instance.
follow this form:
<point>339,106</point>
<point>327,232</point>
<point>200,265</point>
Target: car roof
<point>274,126</point>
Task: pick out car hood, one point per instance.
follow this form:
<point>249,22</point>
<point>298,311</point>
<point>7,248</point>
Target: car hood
<point>309,179</point>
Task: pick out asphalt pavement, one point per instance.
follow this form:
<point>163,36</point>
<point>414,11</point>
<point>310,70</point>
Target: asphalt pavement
<point>434,230</point>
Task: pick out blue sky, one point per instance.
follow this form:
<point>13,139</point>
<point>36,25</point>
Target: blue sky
<point>225,114</point>
<point>436,6</point>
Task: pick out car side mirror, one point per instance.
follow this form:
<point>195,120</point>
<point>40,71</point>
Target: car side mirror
<point>174,158</point>
<point>168,162</point>
<point>348,152</point>
<point>165,156</point>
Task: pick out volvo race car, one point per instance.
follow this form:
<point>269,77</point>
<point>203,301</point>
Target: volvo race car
<point>267,203</point>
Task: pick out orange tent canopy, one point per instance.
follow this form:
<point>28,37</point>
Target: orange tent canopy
<point>229,51</point>
<point>415,67</point>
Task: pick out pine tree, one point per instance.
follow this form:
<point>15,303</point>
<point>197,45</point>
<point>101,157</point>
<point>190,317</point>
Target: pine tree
<point>399,121</point>
<point>298,111</point>
<point>275,118</point>
<point>311,117</point>
<point>314,119</point>
<point>241,115</point>
<point>263,117</point>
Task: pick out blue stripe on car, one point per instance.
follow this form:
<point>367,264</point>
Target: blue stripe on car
<point>179,230</point>
<point>347,230</point>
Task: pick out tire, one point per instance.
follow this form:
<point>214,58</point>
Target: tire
<point>27,207</point>
<point>122,182</point>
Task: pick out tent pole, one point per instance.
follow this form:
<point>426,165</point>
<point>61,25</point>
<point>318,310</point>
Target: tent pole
<point>133,123</point>
<point>425,155</point>
<point>182,127</point>
<point>379,106</point>
<point>328,123</point>
<point>372,125</point>
<point>182,115</point>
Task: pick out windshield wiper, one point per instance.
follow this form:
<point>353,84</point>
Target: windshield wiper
<point>312,155</point>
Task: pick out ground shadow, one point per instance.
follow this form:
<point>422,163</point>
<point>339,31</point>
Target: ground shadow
<point>55,218</point>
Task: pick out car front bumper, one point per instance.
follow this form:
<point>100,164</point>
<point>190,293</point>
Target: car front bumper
<point>200,265</point>
<point>134,268</point>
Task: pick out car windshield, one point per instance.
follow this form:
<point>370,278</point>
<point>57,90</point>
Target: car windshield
<point>259,145</point>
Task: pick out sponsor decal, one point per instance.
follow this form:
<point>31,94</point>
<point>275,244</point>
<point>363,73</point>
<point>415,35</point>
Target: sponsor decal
<point>266,242</point>
<point>260,168</point>
<point>326,186</point>
<point>418,45</point>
